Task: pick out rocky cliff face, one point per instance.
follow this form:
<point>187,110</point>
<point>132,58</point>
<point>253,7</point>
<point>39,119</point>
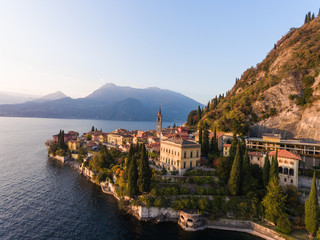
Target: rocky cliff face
<point>291,120</point>
<point>281,94</point>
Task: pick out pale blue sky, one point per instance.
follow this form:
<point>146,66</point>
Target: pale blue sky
<point>197,48</point>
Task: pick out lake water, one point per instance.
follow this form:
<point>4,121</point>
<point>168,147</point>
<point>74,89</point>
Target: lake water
<point>44,199</point>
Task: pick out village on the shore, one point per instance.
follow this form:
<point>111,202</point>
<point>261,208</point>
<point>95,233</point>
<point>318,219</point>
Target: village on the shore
<point>180,183</point>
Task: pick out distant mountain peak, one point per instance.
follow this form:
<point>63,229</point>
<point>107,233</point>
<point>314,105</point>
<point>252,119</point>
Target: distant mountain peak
<point>109,85</point>
<point>52,96</point>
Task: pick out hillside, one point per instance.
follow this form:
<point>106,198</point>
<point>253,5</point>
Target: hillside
<point>109,102</point>
<point>281,94</point>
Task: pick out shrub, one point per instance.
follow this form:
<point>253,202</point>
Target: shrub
<point>284,224</point>
<point>308,81</point>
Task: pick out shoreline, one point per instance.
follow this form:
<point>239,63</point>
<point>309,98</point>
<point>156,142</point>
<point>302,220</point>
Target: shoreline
<point>161,214</point>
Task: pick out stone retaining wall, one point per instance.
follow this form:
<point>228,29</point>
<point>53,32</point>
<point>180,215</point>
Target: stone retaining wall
<point>155,214</point>
<point>245,226</point>
<point>60,158</point>
<point>306,182</point>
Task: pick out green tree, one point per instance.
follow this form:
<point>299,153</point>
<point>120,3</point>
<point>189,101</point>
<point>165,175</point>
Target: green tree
<point>223,169</point>
<point>133,177</point>
<point>309,17</point>
<point>200,135</point>
<point>61,144</point>
<point>199,113</point>
<point>82,153</point>
<point>319,13</point>
<point>306,19</point>
<point>92,129</point>
<point>145,174</point>
<point>266,171</point>
<point>235,175</point>
<point>246,178</point>
<point>313,17</point>
<point>233,147</point>
<point>205,142</point>
<point>274,201</point>
<point>214,148</point>
<point>312,212</point>
<point>274,168</point>
<point>284,224</point>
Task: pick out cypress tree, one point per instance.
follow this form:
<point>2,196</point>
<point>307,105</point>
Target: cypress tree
<point>215,143</point>
<point>205,142</point>
<point>129,158</point>
<point>312,209</point>
<point>246,178</point>
<point>200,135</point>
<point>319,13</point>
<point>274,201</point>
<point>132,177</point>
<point>309,17</point>
<point>199,113</point>
<point>235,175</point>
<point>312,16</point>
<point>92,129</point>
<point>274,169</point>
<point>212,145</point>
<point>233,147</point>
<point>266,171</point>
<point>144,181</point>
<point>306,19</point>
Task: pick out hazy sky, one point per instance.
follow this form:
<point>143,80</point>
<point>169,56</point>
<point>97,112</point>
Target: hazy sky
<point>197,48</point>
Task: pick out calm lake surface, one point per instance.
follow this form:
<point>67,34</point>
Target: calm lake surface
<point>43,199</point>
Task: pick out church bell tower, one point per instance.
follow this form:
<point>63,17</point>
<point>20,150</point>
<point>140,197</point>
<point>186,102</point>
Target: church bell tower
<point>159,121</point>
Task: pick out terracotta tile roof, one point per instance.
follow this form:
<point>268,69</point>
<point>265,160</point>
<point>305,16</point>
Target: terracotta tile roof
<point>286,154</point>
<point>258,154</point>
<point>227,145</point>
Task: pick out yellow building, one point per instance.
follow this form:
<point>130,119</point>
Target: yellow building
<point>226,149</point>
<point>103,137</point>
<point>119,139</point>
<point>179,155</point>
<point>73,145</point>
<point>309,151</point>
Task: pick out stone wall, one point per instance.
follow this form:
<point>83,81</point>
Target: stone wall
<point>245,226</point>
<point>306,182</point>
<point>155,214</point>
<point>60,158</point>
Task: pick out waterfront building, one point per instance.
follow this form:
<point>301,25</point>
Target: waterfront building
<point>71,135</point>
<point>159,121</point>
<point>119,139</point>
<point>309,151</point>
<point>73,145</point>
<point>179,155</point>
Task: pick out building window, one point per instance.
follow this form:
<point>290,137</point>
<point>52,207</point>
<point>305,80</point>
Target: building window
<point>285,179</point>
<point>184,165</point>
<point>191,154</point>
<point>291,181</point>
<point>190,164</point>
<point>291,172</point>
<point>280,169</point>
<point>185,155</point>
<point>197,153</point>
<point>285,171</point>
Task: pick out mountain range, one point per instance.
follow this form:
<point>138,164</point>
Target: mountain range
<point>279,95</point>
<point>109,102</point>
